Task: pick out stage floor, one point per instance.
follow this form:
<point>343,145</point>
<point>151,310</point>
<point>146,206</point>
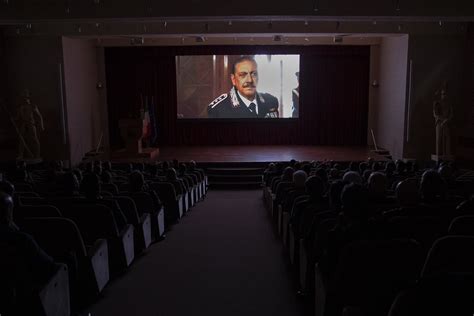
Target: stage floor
<point>266,153</point>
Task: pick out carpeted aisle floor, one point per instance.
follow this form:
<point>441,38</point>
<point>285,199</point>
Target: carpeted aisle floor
<point>222,259</point>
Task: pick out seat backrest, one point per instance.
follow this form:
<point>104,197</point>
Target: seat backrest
<point>94,221</point>
<point>143,201</point>
<point>110,187</point>
<point>128,207</point>
<point>462,225</point>
<point>39,211</point>
<point>369,274</point>
<point>450,255</point>
<point>424,229</point>
<point>165,191</point>
<point>58,236</point>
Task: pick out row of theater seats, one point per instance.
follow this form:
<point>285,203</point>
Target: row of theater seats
<point>403,252</point>
<point>97,237</point>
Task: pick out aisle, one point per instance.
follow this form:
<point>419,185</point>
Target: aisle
<point>222,259</point>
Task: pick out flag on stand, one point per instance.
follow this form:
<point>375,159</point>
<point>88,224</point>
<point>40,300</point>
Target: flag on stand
<point>153,122</point>
<point>146,128</point>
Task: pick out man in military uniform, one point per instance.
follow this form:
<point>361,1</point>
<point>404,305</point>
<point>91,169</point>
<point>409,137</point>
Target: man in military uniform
<point>243,100</point>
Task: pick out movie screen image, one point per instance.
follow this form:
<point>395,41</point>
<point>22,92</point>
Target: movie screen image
<point>237,86</point>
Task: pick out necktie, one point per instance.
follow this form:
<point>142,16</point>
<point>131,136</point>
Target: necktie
<point>253,108</point>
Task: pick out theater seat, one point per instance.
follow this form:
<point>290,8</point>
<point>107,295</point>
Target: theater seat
<point>369,275</point>
<point>172,204</point>
<point>98,222</point>
<point>141,222</point>
<point>450,255</point>
<point>61,239</point>
<point>19,297</point>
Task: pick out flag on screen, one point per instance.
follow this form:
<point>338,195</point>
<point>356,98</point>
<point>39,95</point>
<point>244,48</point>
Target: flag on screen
<point>153,122</point>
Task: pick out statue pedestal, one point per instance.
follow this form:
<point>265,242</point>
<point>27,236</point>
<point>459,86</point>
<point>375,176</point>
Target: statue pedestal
<point>131,132</point>
<point>442,157</point>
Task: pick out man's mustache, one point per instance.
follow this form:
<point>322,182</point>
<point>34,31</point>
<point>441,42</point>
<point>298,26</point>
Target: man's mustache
<point>248,85</point>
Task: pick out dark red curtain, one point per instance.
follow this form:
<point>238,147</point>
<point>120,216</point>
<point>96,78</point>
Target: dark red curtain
<point>334,83</point>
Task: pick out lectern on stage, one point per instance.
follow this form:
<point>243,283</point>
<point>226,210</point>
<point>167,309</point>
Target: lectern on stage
<point>131,132</point>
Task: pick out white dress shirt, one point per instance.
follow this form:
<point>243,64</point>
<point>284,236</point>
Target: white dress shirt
<point>247,102</point>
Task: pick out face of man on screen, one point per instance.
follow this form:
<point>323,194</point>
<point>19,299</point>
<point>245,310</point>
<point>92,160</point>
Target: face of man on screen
<point>245,78</point>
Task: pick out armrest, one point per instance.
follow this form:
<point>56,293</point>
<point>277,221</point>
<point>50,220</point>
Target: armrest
<point>145,216</point>
<point>99,260</point>
<point>127,231</point>
<point>97,247</point>
<point>54,295</point>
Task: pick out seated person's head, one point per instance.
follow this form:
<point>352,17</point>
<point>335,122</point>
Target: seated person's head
<point>182,168</point>
<point>90,167</point>
<point>377,184</point>
<point>165,165</point>
<point>70,183</point>
<point>107,166</point>
<point>287,174</point>
<point>400,166</point>
<point>353,166</point>
<point>136,181</point>
<point>377,166</point>
<point>352,177</point>
<point>337,166</point>
<point>292,162</point>
<point>175,163</point>
<point>299,178</point>
<point>432,186</point>
<point>6,209</point>
<point>362,167</point>
<point>91,185</point>
<point>7,187</point>
<point>192,164</point>
<point>153,169</point>
<point>314,187</point>
<point>333,173</point>
<point>78,173</point>
<point>323,175</point>
<point>354,200</point>
<point>446,172</point>
<point>366,175</point>
<point>335,190</point>
<point>297,165</point>
<point>407,192</point>
<point>171,174</point>
<point>390,167</point>
<point>106,177</point>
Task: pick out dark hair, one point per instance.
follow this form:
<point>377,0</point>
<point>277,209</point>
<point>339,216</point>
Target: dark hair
<point>354,200</point>
<point>242,59</point>
<point>6,208</point>
<point>91,185</point>
<point>106,177</point>
<point>136,181</point>
<point>7,187</point>
<point>314,187</point>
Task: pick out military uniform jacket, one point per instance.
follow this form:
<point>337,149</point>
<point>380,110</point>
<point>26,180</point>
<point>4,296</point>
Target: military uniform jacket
<point>230,105</point>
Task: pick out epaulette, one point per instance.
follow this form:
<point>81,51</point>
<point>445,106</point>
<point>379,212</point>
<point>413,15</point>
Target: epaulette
<point>218,100</point>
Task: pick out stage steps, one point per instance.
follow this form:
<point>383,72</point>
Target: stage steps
<point>234,178</point>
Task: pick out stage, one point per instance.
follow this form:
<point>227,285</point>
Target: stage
<point>260,154</point>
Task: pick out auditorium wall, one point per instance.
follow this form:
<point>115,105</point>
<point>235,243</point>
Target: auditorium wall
<point>435,58</point>
<point>83,99</point>
<point>389,118</point>
<point>466,135</point>
<point>35,63</point>
<point>7,133</point>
